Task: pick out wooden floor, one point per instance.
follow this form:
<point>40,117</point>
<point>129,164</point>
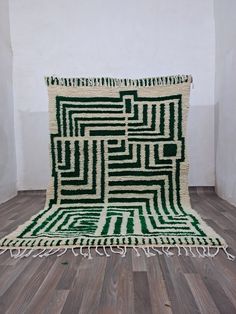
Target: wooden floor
<point>138,285</point>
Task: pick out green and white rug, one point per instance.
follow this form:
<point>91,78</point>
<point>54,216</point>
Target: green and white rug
<point>119,172</point>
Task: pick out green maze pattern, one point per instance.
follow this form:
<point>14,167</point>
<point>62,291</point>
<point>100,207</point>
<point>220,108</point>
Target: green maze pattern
<point>116,169</point>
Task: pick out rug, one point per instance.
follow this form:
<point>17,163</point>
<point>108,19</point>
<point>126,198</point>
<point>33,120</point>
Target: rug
<point>119,172</point>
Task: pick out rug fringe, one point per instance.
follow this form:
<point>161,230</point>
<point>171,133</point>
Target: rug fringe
<point>149,251</point>
<point>115,82</point>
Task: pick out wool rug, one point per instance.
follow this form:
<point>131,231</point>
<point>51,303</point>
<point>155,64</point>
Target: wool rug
<point>118,172</point>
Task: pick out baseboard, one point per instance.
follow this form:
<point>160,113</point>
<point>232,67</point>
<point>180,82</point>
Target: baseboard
<point>191,189</point>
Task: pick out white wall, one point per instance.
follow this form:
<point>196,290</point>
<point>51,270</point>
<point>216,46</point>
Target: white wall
<point>132,38</point>
<point>225,96</point>
<point>7,142</point>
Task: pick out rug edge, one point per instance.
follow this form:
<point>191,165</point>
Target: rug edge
<point>118,82</point>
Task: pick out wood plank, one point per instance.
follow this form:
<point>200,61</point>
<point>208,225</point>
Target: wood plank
<point>15,290</point>
<point>69,274</point>
<point>10,275</point>
<point>30,289</point>
<point>93,288</point>
<point>46,289</point>
<point>142,300</point>
<point>178,288</point>
<point>117,293</point>
<point>139,262</point>
<point>219,296</point>
<point>202,296</point>
<point>56,302</point>
<point>160,301</point>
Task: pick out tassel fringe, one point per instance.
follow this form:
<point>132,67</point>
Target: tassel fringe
<point>148,251</point>
<point>114,82</point>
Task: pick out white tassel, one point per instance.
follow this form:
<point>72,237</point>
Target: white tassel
<point>89,253</point>
<point>44,254</point>
<point>158,251</point>
<point>63,252</point>
<point>14,255</point>
<point>213,254</point>
<point>146,252</point>
<point>208,254</point>
<point>21,254</point>
<point>136,251</point>
<point>99,253</point>
<point>163,250</point>
<point>42,251</point>
<point>229,256</point>
<point>202,251</point>
<point>186,251</point>
<point>29,253</point>
<point>123,255</point>
<point>48,252</point>
<point>51,252</point>
<point>81,252</point>
<point>199,253</point>
<point>104,249</point>
<point>149,252</point>
<point>179,252</point>
<point>205,252</point>
<point>122,250</point>
<point>74,252</point>
<point>116,252</point>
<point>168,252</point>
<point>190,249</point>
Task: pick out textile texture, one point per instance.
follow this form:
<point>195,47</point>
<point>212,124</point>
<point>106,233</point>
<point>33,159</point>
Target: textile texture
<point>119,168</point>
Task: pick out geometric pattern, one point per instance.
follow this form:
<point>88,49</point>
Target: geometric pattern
<point>119,169</point>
